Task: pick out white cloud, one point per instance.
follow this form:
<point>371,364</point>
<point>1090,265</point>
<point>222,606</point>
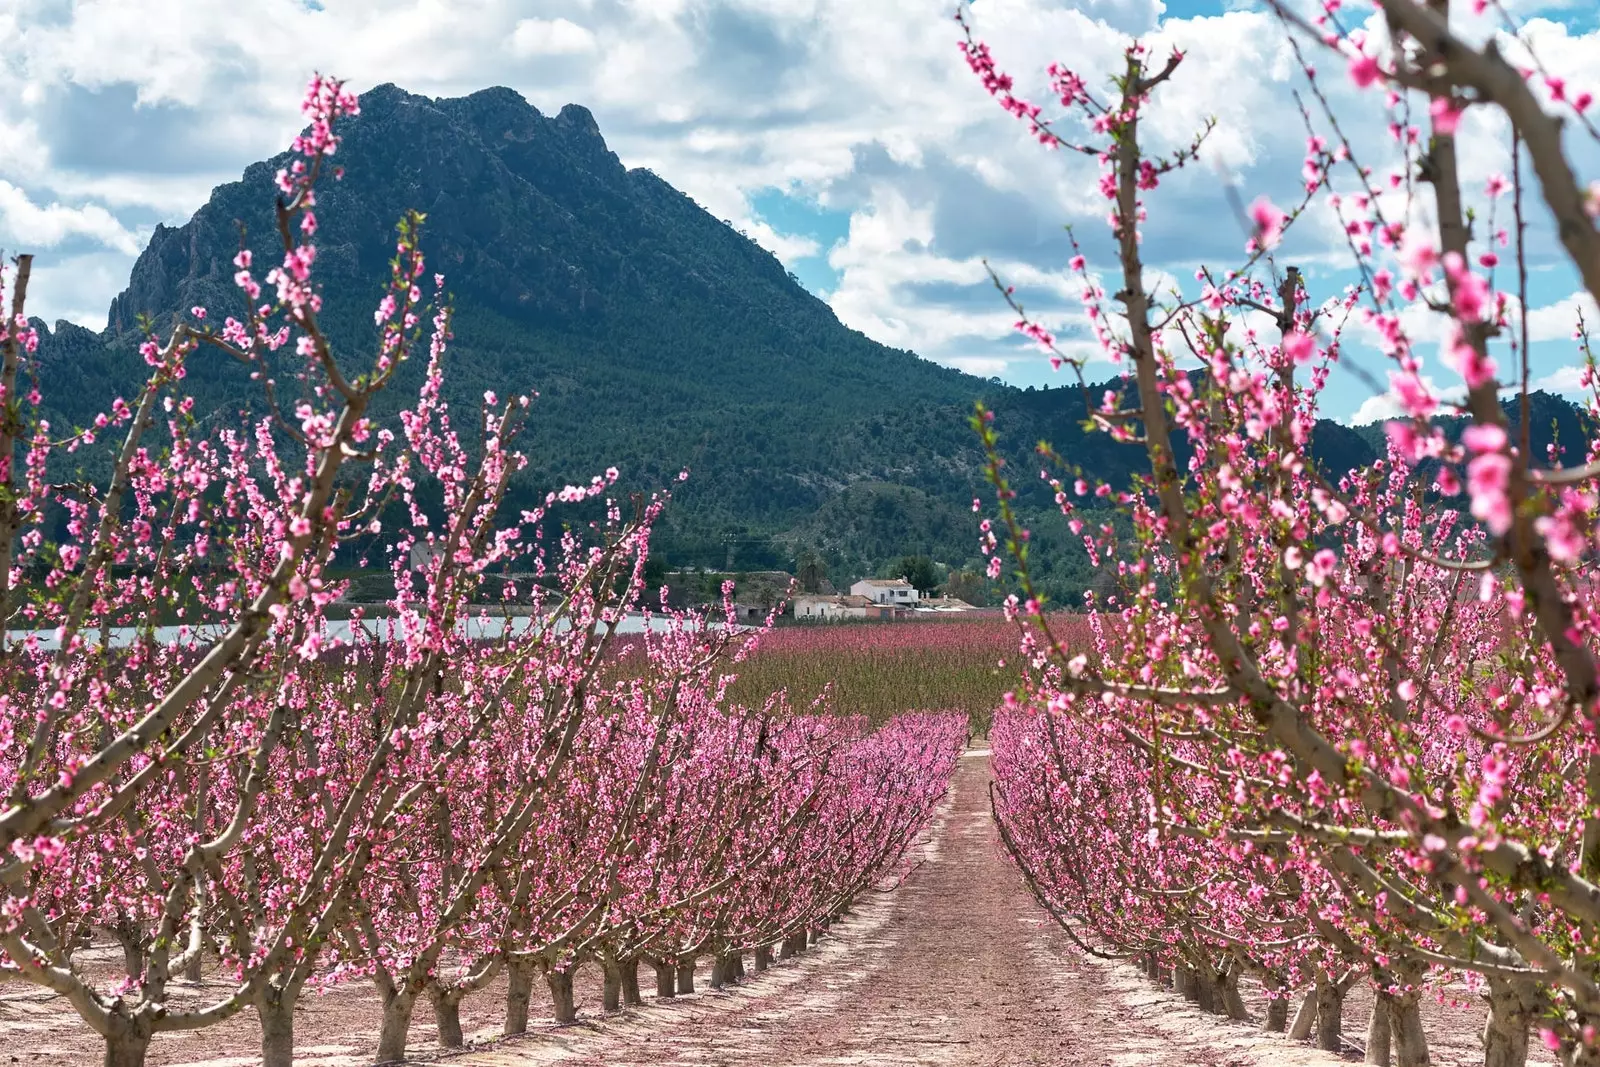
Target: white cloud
<point>786,247</point>
<point>863,108</point>
<point>1559,321</point>
<point>550,37</point>
<point>982,366</point>
<point>31,226</point>
<point>1387,405</point>
<point>1564,380</point>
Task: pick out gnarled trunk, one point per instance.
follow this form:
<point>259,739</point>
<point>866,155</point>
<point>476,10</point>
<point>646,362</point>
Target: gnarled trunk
<point>666,979</point>
<point>1277,1020</point>
<point>685,976</point>
<point>519,992</point>
<point>1410,1042</point>
<point>447,1015</point>
<point>1184,984</point>
<point>277,1028</point>
<point>1379,1028</point>
<point>1228,1001</point>
<point>719,971</point>
<point>396,1028</point>
<point>1505,1033</point>
<point>1305,1019</point>
<point>131,938</point>
<point>1205,990</point>
<point>763,958</point>
<point>128,1043</point>
<point>630,984</point>
<point>563,1007</point>
<point>610,985</point>
<point>1330,1014</point>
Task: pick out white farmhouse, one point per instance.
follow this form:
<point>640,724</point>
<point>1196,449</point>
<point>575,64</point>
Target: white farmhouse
<point>817,608</point>
<point>895,591</point>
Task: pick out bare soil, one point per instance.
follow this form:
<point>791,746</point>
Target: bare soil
<point>956,966</point>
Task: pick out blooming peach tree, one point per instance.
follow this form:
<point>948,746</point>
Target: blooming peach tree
<point>1336,724</point>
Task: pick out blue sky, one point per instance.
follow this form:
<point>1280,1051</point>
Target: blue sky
<point>845,135</point>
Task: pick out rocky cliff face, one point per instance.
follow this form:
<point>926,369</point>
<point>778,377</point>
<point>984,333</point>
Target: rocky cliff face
<point>527,214</point>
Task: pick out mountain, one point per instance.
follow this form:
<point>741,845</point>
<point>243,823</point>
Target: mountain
<point>657,336</point>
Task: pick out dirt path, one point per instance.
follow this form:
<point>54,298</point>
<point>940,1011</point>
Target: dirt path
<point>957,967</point>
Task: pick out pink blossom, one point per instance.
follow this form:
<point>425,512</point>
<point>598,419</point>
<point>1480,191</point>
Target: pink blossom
<point>1488,478</point>
<point>1364,70</point>
<point>1268,220</point>
<point>1300,347</point>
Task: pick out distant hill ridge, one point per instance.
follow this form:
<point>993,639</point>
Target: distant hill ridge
<point>658,337</point>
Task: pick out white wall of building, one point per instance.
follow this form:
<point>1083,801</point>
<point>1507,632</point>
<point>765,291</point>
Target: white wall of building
<point>880,592</point>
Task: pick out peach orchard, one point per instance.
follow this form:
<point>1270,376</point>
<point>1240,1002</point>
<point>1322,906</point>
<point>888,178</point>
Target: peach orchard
<point>1336,727</point>
<point>407,807</point>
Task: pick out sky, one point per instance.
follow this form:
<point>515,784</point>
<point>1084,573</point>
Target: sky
<point>847,136</point>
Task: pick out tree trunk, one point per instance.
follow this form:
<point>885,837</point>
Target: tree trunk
<point>1505,1032</point>
<point>1277,1013</point>
<point>128,937</point>
<point>666,980</point>
<point>1330,1015</point>
<point>631,996</point>
<point>816,935</point>
<point>1205,987</point>
<point>277,1029</point>
<point>447,1015</point>
<point>685,976</point>
<point>719,971</point>
<point>127,1047</point>
<point>396,1029</point>
<point>519,991</point>
<point>611,986</point>
<point>564,1008</point>
<point>1184,984</point>
<point>1379,1028</point>
<point>1305,1018</point>
<point>763,958</point>
<point>1410,1041</point>
<point>1229,1001</point>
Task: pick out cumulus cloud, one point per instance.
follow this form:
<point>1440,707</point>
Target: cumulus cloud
<point>550,37</point>
<point>1559,321</point>
<point>1564,380</point>
<point>29,225</point>
<point>864,110</point>
<point>1387,405</point>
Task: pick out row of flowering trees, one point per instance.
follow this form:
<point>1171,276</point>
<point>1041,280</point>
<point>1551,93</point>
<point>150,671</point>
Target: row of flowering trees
<point>1334,727</point>
<point>199,769</point>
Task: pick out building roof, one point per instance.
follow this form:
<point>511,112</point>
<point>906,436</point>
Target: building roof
<point>945,603</point>
<point>887,582</point>
<point>858,602</point>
